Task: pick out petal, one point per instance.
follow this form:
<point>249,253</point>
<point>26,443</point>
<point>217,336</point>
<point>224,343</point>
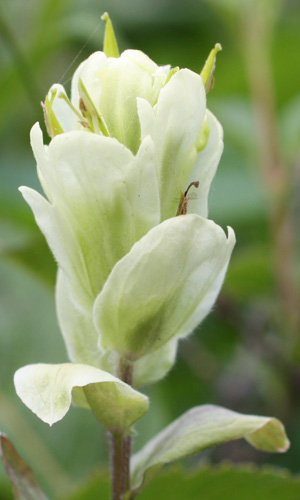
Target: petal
<point>155,366</point>
<point>113,84</point>
<point>164,287</point>
<point>87,71</point>
<point>201,428</point>
<point>123,80</point>
<point>180,113</point>
<point>90,223</point>
<point>40,154</point>
<point>60,117</point>
<point>81,339</point>
<point>47,391</point>
<point>205,166</point>
<point>78,330</point>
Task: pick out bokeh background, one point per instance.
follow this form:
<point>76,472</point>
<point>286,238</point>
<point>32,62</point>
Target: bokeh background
<point>246,354</point>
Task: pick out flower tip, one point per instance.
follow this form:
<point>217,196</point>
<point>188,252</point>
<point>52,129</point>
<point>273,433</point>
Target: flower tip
<point>105,17</point>
<point>207,72</point>
<point>110,45</point>
<point>231,236</point>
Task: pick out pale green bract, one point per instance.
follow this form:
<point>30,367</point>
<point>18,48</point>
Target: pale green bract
<point>47,391</point>
<point>133,276</point>
<point>199,429</point>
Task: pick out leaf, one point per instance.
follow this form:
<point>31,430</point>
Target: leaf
<point>210,483</point>
<point>225,482</point>
<point>201,428</point>
<point>47,391</point>
<point>25,486</point>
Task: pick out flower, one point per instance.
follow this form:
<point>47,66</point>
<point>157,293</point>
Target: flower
<point>140,265</point>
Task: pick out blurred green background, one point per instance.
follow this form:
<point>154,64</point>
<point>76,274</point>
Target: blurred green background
<point>246,355</point>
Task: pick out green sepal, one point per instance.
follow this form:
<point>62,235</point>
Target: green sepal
<point>110,46</point>
<point>52,124</point>
<point>171,73</point>
<point>95,122</point>
<point>209,67</point>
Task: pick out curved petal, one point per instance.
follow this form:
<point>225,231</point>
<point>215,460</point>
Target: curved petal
<point>47,391</point>
<point>87,72</point>
<point>60,117</point>
<point>180,113</point>
<point>90,224</point>
<point>205,166</point>
<point>78,330</point>
<point>81,339</point>
<point>113,85</point>
<point>164,286</point>
<point>155,366</point>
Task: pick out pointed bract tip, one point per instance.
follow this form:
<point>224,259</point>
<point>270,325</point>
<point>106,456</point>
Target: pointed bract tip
<point>209,67</point>
<point>110,45</point>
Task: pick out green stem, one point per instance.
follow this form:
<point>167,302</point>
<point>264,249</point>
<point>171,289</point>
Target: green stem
<point>121,446</point>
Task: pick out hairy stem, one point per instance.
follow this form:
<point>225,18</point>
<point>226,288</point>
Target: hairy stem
<point>121,446</point>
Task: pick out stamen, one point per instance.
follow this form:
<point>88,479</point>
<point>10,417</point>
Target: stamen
<point>184,199</point>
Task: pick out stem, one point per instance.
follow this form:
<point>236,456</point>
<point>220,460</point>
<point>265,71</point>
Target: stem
<point>121,446</point>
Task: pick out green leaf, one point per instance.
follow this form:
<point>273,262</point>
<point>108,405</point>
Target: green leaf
<point>210,483</point>
<point>25,486</point>
<point>48,389</point>
<point>225,482</point>
<point>199,429</point>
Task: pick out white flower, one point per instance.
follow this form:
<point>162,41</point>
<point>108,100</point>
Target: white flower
<point>134,276</point>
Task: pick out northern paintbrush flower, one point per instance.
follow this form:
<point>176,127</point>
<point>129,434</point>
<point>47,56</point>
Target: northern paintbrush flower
<point>140,265</point>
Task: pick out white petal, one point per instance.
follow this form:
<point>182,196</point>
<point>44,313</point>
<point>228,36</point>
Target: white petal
<point>102,200</point>
<point>40,154</point>
<point>154,366</point>
<point>206,165</point>
<point>164,287</point>
<point>47,391</point>
<point>77,328</point>
<point>62,110</point>
<point>180,112</point>
<point>87,72</point>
